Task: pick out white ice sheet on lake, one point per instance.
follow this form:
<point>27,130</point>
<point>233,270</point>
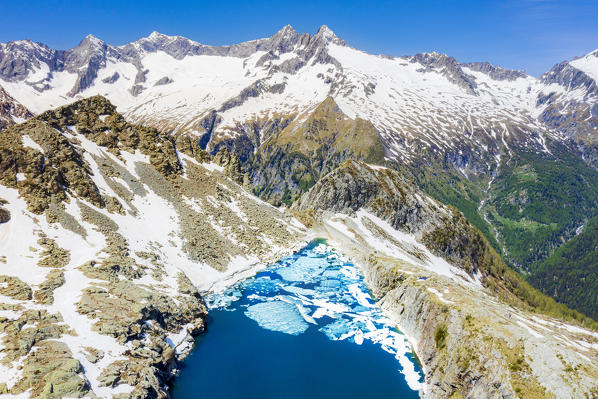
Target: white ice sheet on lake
<point>321,288</point>
<point>277,316</point>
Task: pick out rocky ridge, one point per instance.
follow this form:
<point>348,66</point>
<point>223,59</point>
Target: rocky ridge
<point>283,77</point>
<point>477,328</point>
<point>110,230</point>
<point>20,59</point>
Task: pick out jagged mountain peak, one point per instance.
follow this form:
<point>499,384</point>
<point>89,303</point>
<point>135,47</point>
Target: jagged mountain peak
<point>286,30</point>
<point>496,72</point>
<point>161,38</point>
<point>288,73</point>
<point>284,40</point>
<point>91,38</point>
<point>580,73</point>
<point>593,53</point>
<point>155,35</point>
<point>90,43</point>
<point>448,67</point>
<point>20,57</point>
<point>433,57</point>
<point>328,36</point>
<point>21,42</point>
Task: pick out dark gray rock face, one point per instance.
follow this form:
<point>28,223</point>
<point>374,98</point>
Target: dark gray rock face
<point>570,77</point>
<point>207,125</point>
<point>495,72</point>
<point>163,81</point>
<point>4,215</point>
<point>86,60</point>
<point>573,111</point>
<point>19,58</point>
<point>136,90</point>
<point>355,185</point>
<point>112,79</point>
<point>448,67</point>
<point>254,90</point>
<point>11,110</point>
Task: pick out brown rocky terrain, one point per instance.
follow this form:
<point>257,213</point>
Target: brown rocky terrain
<point>107,231</point>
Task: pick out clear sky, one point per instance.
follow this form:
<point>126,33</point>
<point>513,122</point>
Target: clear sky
<point>519,34</point>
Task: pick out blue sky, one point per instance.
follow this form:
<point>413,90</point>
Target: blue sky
<point>524,34</point>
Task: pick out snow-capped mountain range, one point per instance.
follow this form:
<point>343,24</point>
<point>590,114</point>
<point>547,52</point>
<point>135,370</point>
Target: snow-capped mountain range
<point>429,100</point>
<point>111,230</point>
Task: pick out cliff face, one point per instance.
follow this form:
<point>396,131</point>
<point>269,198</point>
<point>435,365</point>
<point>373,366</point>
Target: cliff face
<point>477,328</point>
<point>476,347</point>
<point>443,230</point>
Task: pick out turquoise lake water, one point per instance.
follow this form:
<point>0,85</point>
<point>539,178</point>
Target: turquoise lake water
<point>306,327</point>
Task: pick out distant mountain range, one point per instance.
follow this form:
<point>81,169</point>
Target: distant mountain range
<point>428,100</point>
<point>516,154</point>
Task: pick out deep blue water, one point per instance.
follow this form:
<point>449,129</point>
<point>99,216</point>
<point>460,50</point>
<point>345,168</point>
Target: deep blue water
<point>306,327</point>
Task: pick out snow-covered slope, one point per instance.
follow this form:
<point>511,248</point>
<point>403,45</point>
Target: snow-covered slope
<point>588,64</point>
<point>11,111</point>
<point>224,94</point>
<point>106,233</point>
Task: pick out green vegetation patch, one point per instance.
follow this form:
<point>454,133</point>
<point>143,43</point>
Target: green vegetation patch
<point>570,274</point>
<point>440,337</point>
<point>538,200</point>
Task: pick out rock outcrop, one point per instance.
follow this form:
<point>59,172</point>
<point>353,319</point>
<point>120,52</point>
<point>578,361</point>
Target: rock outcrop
<point>11,111</point>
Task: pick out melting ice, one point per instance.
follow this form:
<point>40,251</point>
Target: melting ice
<point>318,287</point>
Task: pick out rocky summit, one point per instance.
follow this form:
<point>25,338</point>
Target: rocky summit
<point>137,180</point>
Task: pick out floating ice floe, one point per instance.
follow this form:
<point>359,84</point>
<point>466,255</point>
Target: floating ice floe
<point>277,316</point>
<point>305,269</point>
<point>321,288</point>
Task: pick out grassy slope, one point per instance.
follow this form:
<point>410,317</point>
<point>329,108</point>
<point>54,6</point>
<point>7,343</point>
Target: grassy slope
<point>291,161</point>
<point>452,189</point>
<point>458,237</point>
